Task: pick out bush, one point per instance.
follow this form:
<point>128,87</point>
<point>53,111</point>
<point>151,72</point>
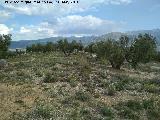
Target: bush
<point>86,114</point>
<point>73,82</point>
<point>67,48</point>
<point>48,47</point>
<point>111,50</point>
<point>49,78</point>
<point>5,41</point>
<point>134,105</point>
<point>128,114</point>
<point>111,90</point>
<point>142,50</point>
<point>105,111</point>
<point>148,104</point>
<point>68,101</point>
<point>40,112</point>
<point>130,109</point>
<point>153,114</point>
<point>152,88</point>
<point>157,57</point>
<point>90,48</point>
<point>152,107</point>
<point>121,82</point>
<point>82,96</point>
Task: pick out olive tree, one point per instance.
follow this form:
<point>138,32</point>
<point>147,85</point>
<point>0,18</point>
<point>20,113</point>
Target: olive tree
<point>142,50</point>
<point>5,41</point>
<point>112,51</point>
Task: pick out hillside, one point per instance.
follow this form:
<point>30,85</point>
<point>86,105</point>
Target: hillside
<point>86,39</point>
<point>51,86</point>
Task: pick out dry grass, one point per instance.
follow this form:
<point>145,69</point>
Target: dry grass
<point>23,89</point>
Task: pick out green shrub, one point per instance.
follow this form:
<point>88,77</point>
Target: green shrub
<point>85,67</point>
<point>49,78</point>
<point>129,110</point>
<point>112,51</point>
<point>148,104</point>
<point>2,76</point>
<point>84,111</point>
<point>105,111</point>
<point>152,107</point>
<point>67,48</point>
<point>121,84</point>
<point>52,93</point>
<point>82,96</point>
<point>157,57</point>
<point>152,88</point>
<point>134,105</point>
<point>153,114</point>
<point>86,114</point>
<point>68,101</point>
<point>72,81</point>
<point>5,41</point>
<point>40,112</point>
<point>155,81</point>
<point>127,113</point>
<point>111,90</point>
<point>74,115</point>
<point>142,50</point>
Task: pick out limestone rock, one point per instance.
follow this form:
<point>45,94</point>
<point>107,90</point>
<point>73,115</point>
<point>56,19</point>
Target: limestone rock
<point>3,63</point>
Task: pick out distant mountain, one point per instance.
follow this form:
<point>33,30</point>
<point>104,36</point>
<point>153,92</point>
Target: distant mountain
<point>154,32</point>
<point>24,43</point>
<point>87,39</point>
<point>133,34</point>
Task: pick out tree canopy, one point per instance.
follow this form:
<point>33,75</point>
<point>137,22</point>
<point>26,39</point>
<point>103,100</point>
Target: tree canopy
<point>5,41</point>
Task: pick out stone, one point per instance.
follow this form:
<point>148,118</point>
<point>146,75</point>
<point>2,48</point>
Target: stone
<point>58,66</point>
<point>3,63</point>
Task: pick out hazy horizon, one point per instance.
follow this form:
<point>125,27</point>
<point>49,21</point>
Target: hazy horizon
<point>79,36</point>
<point>93,17</point>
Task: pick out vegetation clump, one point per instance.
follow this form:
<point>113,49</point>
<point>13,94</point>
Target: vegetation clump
<point>61,81</point>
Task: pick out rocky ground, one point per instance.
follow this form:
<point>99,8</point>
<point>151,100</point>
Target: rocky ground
<point>51,86</point>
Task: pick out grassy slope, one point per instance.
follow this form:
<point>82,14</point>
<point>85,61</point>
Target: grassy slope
<point>44,86</point>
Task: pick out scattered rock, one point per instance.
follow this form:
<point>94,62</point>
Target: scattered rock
<point>58,66</point>
<point>94,55</point>
<point>3,63</point>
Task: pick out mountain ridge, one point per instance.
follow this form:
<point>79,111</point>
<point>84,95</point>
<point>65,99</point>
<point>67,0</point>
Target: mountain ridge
<point>87,39</point>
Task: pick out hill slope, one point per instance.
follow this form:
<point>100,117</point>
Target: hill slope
<point>51,86</point>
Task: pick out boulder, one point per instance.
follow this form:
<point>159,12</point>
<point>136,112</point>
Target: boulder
<point>58,66</point>
<point>3,63</point>
<point>94,55</point>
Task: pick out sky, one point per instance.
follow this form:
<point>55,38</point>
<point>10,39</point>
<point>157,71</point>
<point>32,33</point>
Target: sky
<point>87,17</point>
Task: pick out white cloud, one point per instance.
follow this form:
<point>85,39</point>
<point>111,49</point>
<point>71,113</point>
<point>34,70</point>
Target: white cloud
<point>58,9</point>
<point>4,15</point>
<point>24,30</point>
<point>4,29</point>
<point>118,2</point>
<point>83,25</point>
<point>31,32</point>
<point>74,25</point>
